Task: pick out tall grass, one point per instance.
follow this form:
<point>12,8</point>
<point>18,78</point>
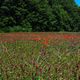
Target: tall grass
<point>30,60</point>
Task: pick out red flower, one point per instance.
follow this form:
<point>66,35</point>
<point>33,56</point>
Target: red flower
<point>68,37</point>
<point>45,41</point>
<point>37,39</point>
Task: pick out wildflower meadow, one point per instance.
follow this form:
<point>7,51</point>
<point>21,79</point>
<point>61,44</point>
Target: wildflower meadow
<point>40,56</point>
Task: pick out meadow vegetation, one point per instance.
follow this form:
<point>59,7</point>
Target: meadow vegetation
<point>43,57</point>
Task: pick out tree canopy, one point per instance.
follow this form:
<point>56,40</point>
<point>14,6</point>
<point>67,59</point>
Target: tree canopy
<point>39,15</point>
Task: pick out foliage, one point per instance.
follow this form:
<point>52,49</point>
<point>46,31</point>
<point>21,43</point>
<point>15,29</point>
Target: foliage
<point>38,15</point>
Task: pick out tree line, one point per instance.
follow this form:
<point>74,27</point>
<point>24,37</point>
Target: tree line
<point>39,16</point>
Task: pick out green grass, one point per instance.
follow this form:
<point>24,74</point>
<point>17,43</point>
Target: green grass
<point>29,60</point>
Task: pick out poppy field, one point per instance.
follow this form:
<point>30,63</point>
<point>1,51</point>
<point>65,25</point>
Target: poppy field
<point>40,56</point>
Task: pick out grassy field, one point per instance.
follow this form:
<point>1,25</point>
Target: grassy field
<point>40,56</point>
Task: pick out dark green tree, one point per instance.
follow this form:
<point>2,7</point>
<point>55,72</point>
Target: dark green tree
<point>39,15</point>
